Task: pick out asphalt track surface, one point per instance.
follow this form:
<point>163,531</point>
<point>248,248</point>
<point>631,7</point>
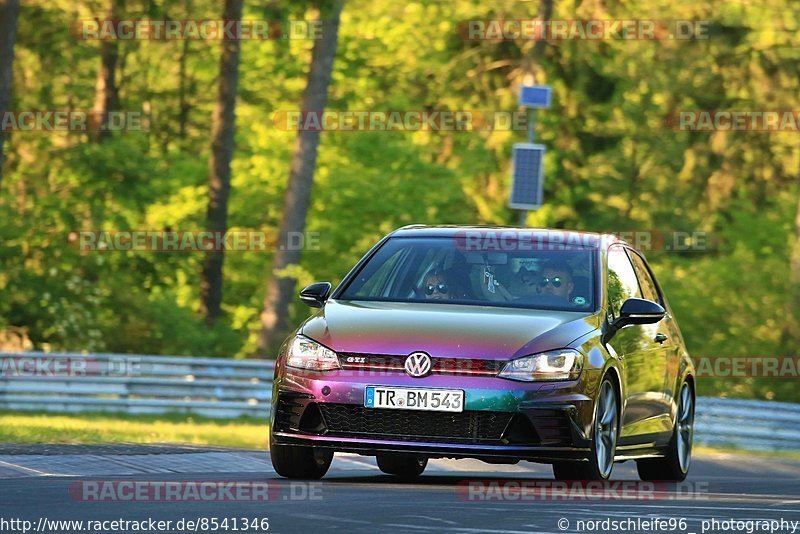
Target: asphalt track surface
<point>49,483</point>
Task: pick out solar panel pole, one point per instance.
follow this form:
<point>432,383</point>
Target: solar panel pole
<point>531,125</point>
<point>532,97</point>
<point>531,112</point>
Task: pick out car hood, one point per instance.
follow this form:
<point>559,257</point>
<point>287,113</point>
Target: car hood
<point>444,330</point>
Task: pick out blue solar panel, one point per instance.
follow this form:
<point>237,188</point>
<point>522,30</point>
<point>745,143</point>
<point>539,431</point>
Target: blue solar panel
<point>527,176</point>
<point>535,96</point>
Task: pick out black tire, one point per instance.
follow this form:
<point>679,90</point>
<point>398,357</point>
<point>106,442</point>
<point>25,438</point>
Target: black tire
<point>405,466</point>
<point>577,471</point>
<point>572,471</point>
<point>606,424</point>
<point>300,462</point>
<point>674,466</point>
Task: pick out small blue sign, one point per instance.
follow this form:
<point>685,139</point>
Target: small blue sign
<point>369,398</point>
<point>536,96</point>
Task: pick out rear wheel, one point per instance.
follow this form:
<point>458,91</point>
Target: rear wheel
<point>675,465</point>
<point>406,466</point>
<point>301,462</point>
<point>604,442</point>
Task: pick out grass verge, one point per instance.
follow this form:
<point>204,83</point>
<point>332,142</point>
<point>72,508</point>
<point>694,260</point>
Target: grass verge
<point>788,455</point>
<point>23,427</point>
<point>88,428</point>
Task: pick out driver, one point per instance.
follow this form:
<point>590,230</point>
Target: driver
<point>435,286</point>
<point>556,280</point>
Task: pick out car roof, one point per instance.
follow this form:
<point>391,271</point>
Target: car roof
<point>553,235</point>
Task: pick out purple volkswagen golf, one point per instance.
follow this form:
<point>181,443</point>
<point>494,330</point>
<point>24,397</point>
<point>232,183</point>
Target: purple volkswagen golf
<point>502,344</point>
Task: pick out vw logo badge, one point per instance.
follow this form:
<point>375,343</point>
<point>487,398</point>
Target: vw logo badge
<point>418,364</point>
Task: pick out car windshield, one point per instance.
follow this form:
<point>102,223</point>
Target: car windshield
<point>444,270</point>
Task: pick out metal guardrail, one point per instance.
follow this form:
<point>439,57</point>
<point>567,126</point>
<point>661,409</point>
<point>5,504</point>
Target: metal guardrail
<point>216,387</point>
<point>748,424</point>
<point>135,384</point>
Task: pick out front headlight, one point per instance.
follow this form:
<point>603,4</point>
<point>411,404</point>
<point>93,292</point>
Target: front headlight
<point>564,364</point>
<point>306,353</point>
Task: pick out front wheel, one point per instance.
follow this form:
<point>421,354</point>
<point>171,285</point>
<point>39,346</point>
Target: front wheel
<point>301,462</point>
<point>405,466</point>
<point>675,465</point>
<point>604,442</point>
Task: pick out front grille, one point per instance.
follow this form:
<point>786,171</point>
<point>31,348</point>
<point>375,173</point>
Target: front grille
<point>450,366</point>
<point>350,420</point>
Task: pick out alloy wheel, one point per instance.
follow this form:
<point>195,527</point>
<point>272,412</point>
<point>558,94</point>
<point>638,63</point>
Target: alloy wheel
<point>685,427</point>
<point>606,429</point>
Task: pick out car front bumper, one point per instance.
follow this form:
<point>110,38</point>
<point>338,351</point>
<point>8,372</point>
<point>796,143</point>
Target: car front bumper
<point>503,420</point>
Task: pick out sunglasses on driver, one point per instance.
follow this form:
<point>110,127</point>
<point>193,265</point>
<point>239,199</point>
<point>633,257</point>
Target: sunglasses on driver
<point>440,288</point>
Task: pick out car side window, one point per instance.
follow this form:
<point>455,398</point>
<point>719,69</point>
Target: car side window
<point>646,282</point>
<point>375,284</point>
<point>622,283</point>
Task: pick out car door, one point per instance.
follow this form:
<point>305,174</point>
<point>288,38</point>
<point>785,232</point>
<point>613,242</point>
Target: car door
<point>643,367</point>
<point>665,332</point>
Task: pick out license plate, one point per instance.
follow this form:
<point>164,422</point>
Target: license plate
<point>400,398</point>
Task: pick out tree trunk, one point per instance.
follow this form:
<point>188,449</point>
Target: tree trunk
<point>529,62</point>
<point>9,10</point>
<point>545,13</point>
<point>792,332</point>
<point>105,93</point>
<point>183,105</point>
<point>219,166</point>
<point>280,289</point>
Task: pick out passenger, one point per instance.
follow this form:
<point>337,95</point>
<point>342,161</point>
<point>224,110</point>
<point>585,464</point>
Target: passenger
<point>435,286</point>
<point>556,280</point>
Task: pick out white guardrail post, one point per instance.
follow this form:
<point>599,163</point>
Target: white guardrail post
<point>226,388</point>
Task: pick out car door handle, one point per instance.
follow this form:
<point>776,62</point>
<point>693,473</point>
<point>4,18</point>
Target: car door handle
<point>660,338</point>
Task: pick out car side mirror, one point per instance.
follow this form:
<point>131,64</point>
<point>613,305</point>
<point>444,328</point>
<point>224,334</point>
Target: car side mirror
<point>639,311</point>
<point>316,294</point>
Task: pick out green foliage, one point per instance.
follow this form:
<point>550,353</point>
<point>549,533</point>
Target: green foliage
<point>613,164</point>
<point>733,302</point>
